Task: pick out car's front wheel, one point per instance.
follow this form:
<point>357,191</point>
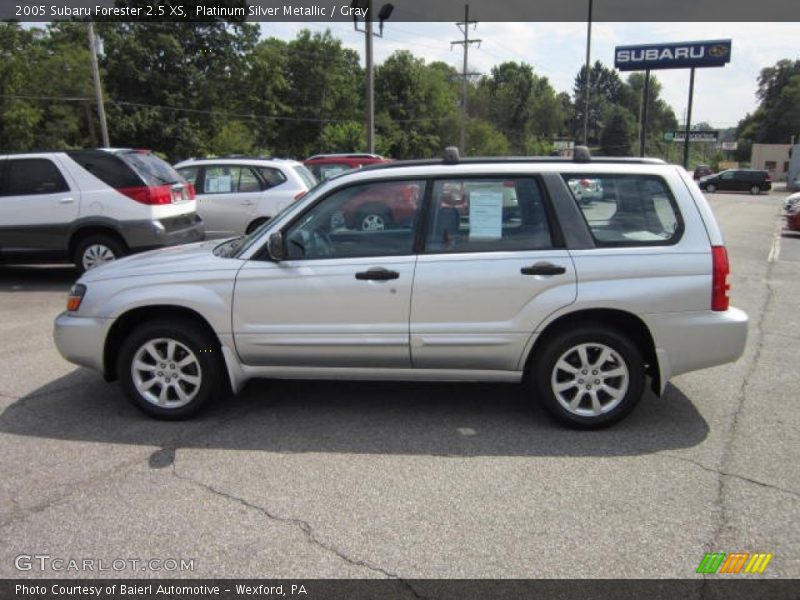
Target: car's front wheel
<point>170,368</point>
<point>711,188</point>
<point>589,377</point>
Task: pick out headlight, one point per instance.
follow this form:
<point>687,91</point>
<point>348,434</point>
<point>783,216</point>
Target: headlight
<point>76,293</point>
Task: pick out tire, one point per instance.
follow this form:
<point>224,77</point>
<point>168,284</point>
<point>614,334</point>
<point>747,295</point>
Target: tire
<point>570,393</point>
<point>160,387</point>
<point>255,225</point>
<point>711,188</point>
<point>755,190</point>
<point>373,219</point>
<point>95,250</point>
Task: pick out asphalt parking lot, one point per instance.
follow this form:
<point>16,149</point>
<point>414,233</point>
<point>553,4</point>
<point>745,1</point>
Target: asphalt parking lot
<point>336,479</point>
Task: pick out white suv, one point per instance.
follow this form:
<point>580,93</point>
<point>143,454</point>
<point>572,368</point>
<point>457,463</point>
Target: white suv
<point>581,302</point>
<point>235,195</point>
<point>92,206</point>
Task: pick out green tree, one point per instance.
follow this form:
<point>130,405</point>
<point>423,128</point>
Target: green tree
<point>618,134</point>
<point>606,89</point>
<point>170,85</point>
<point>19,116</point>
<point>522,105</point>
<point>323,85</point>
<point>416,107</point>
<point>343,137</point>
<point>777,117</point>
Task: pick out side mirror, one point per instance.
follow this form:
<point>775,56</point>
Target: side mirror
<point>275,247</point>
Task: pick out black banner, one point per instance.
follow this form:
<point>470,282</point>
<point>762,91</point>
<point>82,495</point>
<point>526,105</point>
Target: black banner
<point>403,10</point>
<point>733,588</point>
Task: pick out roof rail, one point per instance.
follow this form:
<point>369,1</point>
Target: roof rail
<point>451,157</point>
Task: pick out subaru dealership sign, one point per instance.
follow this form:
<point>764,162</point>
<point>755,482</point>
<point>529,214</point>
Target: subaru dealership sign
<point>682,55</point>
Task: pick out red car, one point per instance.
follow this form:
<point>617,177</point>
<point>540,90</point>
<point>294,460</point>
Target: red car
<point>327,165</point>
<point>793,217</point>
<point>380,207</point>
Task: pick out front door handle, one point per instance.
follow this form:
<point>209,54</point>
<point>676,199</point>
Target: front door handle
<point>377,274</point>
<point>67,200</point>
<point>543,268</point>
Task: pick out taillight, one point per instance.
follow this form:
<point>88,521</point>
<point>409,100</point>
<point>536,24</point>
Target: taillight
<point>154,194</point>
<point>75,297</point>
<point>191,191</point>
<point>720,270</point>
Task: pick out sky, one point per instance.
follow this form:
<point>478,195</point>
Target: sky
<point>722,96</point>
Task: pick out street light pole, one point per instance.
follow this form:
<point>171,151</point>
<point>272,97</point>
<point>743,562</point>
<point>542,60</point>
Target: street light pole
<point>588,77</point>
<point>383,15</point>
<point>101,109</point>
<point>370,82</point>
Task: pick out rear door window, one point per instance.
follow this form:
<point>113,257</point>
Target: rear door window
<point>32,176</point>
<point>487,215</point>
<point>627,210</point>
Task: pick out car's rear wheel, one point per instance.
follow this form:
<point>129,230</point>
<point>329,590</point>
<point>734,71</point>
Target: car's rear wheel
<point>170,368</point>
<point>711,188</point>
<point>755,190</point>
<point>95,250</point>
<point>588,378</point>
<point>373,219</point>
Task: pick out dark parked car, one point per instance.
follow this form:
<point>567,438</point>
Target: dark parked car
<point>737,180</point>
<point>702,171</point>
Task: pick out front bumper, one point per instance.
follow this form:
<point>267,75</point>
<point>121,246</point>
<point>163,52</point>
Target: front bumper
<point>146,235</point>
<point>688,341</point>
<point>81,340</point>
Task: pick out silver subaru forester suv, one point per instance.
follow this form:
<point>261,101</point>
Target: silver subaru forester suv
<point>488,270</point>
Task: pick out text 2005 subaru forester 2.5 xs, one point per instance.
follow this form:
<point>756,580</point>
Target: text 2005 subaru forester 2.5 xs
<point>500,274</point>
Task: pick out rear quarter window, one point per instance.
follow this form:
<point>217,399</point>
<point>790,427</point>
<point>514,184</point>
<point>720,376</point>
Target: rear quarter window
<point>150,168</point>
<point>627,210</point>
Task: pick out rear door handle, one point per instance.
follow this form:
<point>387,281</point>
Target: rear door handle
<point>378,274</point>
<point>543,268</point>
<point>67,200</point>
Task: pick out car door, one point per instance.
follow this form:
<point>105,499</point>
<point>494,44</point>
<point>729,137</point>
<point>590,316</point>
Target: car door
<point>727,181</point>
<point>488,276</point>
<point>227,199</point>
<point>340,298</point>
<point>37,206</point>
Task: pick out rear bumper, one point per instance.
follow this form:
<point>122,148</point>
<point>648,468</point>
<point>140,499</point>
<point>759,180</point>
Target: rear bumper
<point>145,235</point>
<point>81,340</point>
<point>697,340</point>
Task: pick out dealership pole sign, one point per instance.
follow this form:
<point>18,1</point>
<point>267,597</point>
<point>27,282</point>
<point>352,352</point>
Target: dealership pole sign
<point>675,55</point>
<point>684,55</point>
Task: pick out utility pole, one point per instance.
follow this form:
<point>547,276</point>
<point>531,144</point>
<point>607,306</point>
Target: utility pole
<point>101,109</point>
<point>464,27</point>
<point>586,89</point>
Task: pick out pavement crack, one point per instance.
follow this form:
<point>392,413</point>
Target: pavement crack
<point>304,526</point>
<point>729,438</point>
<point>732,475</point>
